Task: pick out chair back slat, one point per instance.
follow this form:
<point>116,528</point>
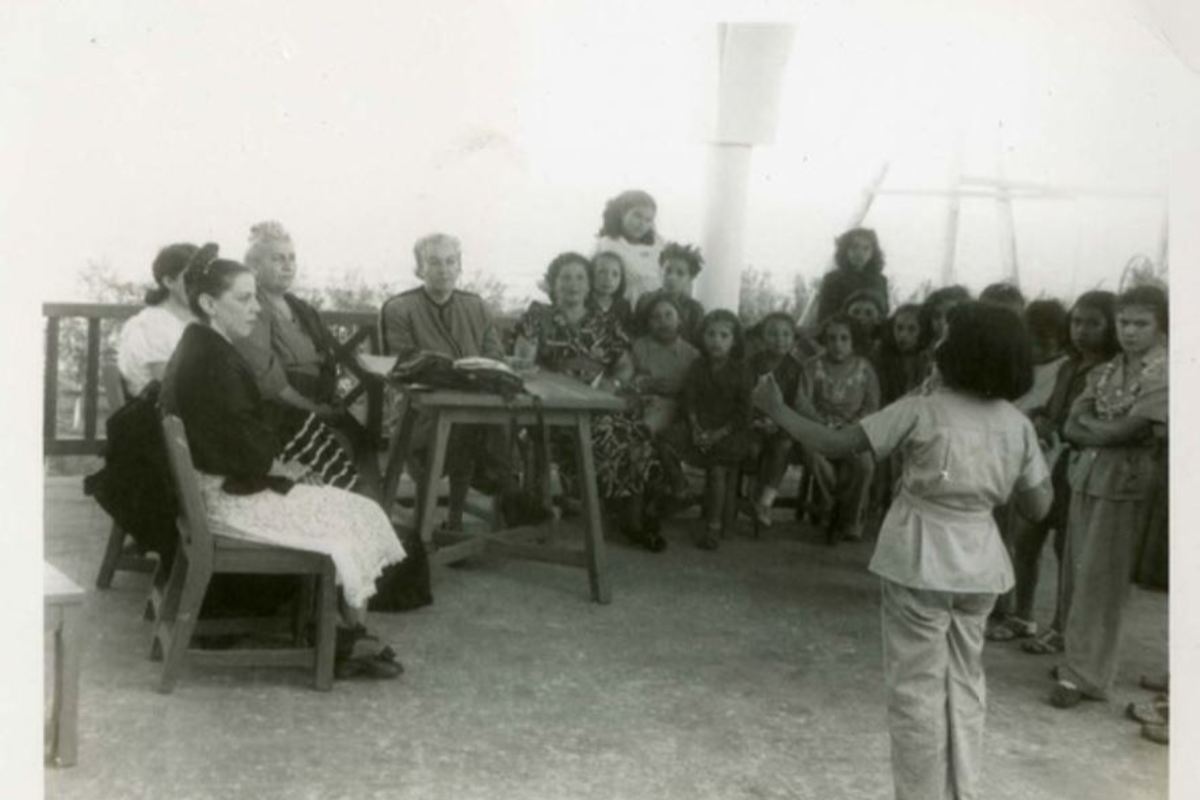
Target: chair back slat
<point>194,534</point>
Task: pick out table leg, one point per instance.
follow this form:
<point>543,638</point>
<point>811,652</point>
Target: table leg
<point>397,453</point>
<point>593,537</point>
<point>67,680</point>
<point>429,491</point>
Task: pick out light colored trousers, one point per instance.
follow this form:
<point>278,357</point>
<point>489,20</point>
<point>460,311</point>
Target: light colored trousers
<point>933,669</point>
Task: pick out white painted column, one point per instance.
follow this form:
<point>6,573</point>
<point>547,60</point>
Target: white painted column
<point>751,60</point>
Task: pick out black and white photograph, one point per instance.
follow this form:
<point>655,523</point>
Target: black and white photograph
<point>599,400</point>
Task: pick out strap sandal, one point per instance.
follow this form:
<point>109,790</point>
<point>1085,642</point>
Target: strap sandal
<point>1047,644</point>
<point>1153,712</point>
<point>1159,734</point>
<point>1011,628</point>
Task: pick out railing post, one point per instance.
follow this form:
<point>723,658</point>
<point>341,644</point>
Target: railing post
<point>50,383</point>
<point>91,384</point>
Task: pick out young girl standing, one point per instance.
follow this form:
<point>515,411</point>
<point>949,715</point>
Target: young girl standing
<point>715,416</point>
<point>940,556</point>
<point>858,264</point>
<point>1093,341</point>
<point>628,230</point>
<point>778,334</point>
<point>838,389</point>
<point>1118,424</point>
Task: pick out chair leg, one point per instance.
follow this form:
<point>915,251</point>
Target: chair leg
<point>327,619</point>
<point>178,632</point>
<point>112,555</point>
<point>729,509</point>
<point>304,610</point>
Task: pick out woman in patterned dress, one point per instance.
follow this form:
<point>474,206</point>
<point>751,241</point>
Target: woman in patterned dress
<point>570,337</point>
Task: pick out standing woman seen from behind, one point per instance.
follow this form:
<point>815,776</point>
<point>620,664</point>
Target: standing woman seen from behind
<point>251,491</point>
<point>149,337</point>
<point>628,230</point>
<point>940,557</point>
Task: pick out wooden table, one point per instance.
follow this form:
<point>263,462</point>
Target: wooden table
<point>566,403</point>
<point>63,610</point>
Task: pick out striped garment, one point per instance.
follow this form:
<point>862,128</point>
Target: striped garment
<point>316,447</point>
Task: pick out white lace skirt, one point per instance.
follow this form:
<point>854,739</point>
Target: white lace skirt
<point>347,527</point>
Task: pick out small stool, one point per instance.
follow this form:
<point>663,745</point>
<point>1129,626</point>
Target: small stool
<point>63,612</point>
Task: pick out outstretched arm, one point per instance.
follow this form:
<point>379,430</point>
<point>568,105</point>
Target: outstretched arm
<point>834,443</point>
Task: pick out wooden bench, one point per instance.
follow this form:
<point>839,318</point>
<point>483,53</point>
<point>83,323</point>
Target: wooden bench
<point>63,611</point>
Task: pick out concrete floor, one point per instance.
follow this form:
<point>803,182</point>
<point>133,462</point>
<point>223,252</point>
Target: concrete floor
<point>752,672</point>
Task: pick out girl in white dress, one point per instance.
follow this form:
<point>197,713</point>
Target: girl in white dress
<point>628,230</point>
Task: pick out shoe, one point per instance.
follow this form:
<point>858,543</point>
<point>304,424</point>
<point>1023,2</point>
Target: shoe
<point>762,515</point>
<point>1011,628</point>
<point>374,667</point>
<point>1159,734</point>
<point>1153,684</point>
<point>1067,695</point>
<point>1049,643</point>
<point>710,539</point>
<point>1154,712</point>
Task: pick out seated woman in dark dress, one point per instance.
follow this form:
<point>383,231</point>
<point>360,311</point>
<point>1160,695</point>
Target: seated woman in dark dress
<point>292,355</point>
<point>251,489</point>
<point>571,337</point>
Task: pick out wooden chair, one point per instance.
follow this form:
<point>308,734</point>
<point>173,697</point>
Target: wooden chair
<point>120,553</point>
<point>201,554</point>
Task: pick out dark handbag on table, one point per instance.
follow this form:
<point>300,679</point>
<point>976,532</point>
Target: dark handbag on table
<point>438,371</point>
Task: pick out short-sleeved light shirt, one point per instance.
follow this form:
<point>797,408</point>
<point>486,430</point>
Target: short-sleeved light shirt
<point>148,337</point>
<point>962,457</point>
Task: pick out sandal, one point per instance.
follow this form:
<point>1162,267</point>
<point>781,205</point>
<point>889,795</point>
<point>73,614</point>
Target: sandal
<point>1049,643</point>
<point>372,667</point>
<point>1153,712</point>
<point>710,540</point>
<point>1065,695</point>
<point>1011,628</point>
<point>1162,684</point>
<point>1159,734</point>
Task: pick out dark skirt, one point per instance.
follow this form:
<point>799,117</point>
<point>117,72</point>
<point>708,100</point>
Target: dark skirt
<point>733,450</point>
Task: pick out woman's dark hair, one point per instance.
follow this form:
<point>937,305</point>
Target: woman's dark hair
<point>859,338</point>
<point>615,210</point>
<point>684,252</point>
<point>887,339</point>
<point>169,263</point>
<point>655,300</point>
<point>842,248</point>
<point>1146,296</point>
<point>939,297</point>
<point>760,328</point>
<point>207,274</point>
<point>556,266</point>
<point>1048,320</point>
<point>620,291</point>
<point>717,315</point>
<point>1106,304</point>
<point>986,353</point>
<point>1004,294</point>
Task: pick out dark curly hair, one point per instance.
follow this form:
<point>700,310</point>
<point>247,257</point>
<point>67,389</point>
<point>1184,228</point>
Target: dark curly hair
<point>1147,296</point>
<point>684,252</point>
<point>1105,303</point>
<point>938,297</point>
<point>859,338</point>
<point>556,266</point>
<point>738,351</point>
<point>1003,294</point>
<point>646,310</point>
<point>615,210</point>
<point>170,262</point>
<point>842,249</point>
<point>987,352</point>
<point>207,274</point>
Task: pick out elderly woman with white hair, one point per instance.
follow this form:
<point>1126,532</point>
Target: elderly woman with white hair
<point>438,317</point>
<point>292,355</point>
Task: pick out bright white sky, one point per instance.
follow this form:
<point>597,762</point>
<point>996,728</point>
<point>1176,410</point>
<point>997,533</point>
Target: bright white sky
<point>132,125</point>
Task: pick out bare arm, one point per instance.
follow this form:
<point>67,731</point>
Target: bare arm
<point>1034,504</point>
<point>834,443</point>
